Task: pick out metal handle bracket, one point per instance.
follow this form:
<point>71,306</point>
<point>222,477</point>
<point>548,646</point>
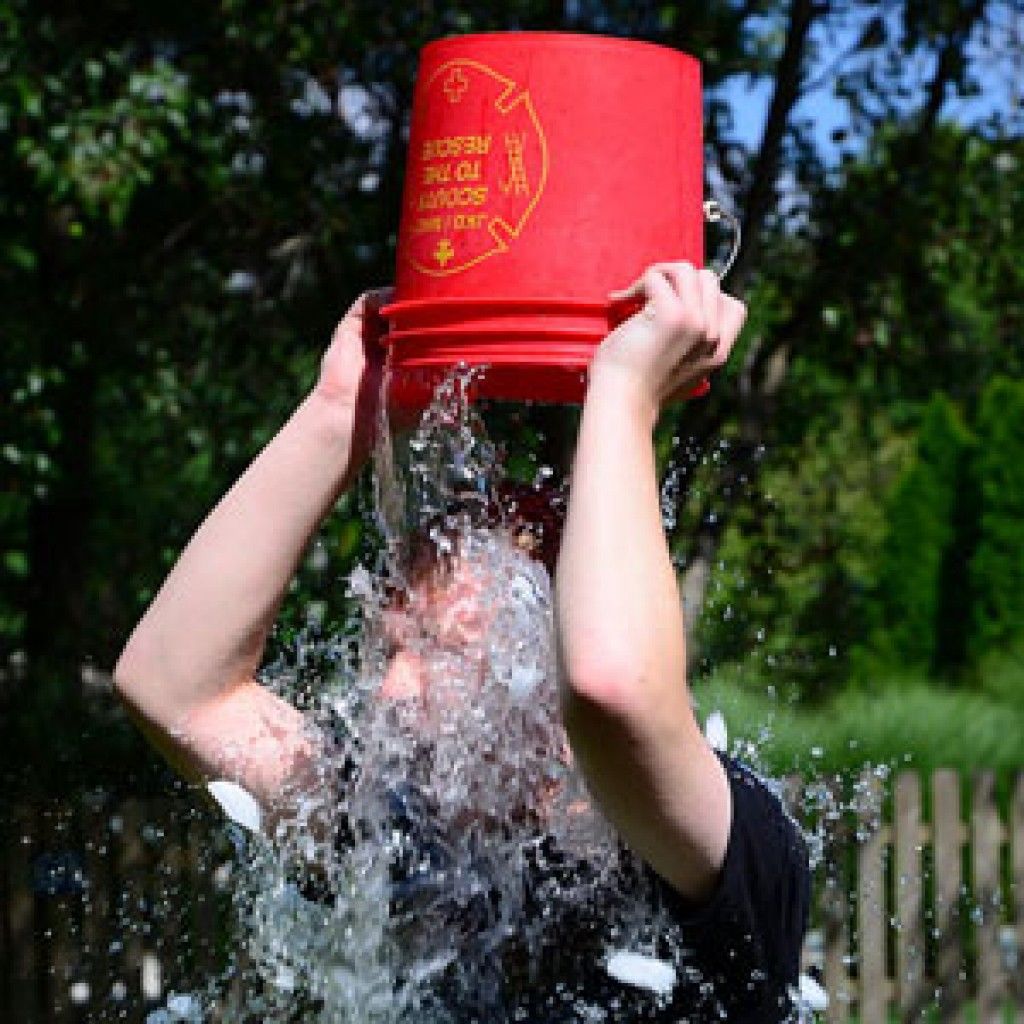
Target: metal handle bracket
<point>714,213</point>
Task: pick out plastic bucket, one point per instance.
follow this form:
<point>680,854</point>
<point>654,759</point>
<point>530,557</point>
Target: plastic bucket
<point>544,170</point>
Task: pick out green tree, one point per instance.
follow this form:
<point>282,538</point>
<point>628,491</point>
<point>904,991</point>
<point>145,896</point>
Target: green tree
<point>190,193</point>
<point>997,566</point>
<point>913,620</point>
<point>800,554</point>
<point>861,315</point>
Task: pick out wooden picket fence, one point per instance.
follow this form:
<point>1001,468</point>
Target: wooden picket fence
<point>922,918</point>
<point>105,908</point>
<point>919,909</point>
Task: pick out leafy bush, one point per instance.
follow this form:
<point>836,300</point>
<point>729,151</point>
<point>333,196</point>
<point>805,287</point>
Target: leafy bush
<point>1001,674</point>
<point>786,593</point>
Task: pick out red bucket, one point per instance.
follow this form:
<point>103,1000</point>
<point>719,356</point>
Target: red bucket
<point>544,170</point>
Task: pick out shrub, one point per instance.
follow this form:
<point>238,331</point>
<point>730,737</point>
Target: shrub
<point>997,566</point>
<point>917,615</point>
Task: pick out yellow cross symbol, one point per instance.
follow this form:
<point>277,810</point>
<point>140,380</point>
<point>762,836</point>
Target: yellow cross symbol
<point>444,251</point>
<point>455,85</point>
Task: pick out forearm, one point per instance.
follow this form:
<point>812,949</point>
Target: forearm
<point>618,607</point>
<point>205,631</point>
<point>618,610</point>
<point>620,629</point>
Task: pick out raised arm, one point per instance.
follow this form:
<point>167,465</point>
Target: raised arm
<point>618,609</point>
<point>188,671</point>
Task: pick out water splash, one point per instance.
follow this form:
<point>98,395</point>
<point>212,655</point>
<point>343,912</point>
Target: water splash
<point>447,847</point>
<point>447,836</point>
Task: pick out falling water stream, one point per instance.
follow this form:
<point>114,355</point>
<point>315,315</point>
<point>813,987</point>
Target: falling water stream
<point>447,865</point>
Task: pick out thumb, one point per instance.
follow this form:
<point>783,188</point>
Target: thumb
<point>734,315</point>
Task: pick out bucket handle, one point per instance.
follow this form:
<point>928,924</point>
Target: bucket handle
<point>714,213</point>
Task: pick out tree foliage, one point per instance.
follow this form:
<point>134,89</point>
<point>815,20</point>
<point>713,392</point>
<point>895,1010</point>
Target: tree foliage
<point>190,194</point>
<point>922,545</point>
<point>899,313</point>
<point>997,565</point>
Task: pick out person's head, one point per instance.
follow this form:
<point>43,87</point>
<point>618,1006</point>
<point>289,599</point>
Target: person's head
<point>469,632</point>
<point>449,594</point>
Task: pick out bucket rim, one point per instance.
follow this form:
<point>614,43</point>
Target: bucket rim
<point>556,39</point>
<point>492,304</point>
<point>487,333</point>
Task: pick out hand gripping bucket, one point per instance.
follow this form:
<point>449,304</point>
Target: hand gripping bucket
<point>544,170</point>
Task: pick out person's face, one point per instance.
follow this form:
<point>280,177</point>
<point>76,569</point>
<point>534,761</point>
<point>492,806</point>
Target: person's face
<point>450,605</point>
<point>444,613</point>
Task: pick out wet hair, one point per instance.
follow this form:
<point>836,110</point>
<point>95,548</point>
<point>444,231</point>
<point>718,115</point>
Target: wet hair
<point>536,516</point>
<point>533,515</point>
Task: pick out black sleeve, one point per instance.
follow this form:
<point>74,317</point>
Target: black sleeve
<point>747,936</point>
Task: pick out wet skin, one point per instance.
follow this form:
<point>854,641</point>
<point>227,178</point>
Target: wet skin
<point>446,609</point>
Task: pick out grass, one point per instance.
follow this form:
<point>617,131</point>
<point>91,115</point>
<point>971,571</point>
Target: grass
<point>933,1015</point>
<point>908,723</point>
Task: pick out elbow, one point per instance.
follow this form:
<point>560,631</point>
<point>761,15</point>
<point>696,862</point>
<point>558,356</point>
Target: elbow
<point>142,684</point>
<point>127,674</point>
<point>602,683</point>
<point>133,673</point>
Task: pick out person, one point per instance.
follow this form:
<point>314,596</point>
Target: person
<point>721,854</point>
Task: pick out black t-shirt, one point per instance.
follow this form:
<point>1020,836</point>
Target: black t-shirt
<point>746,938</point>
<point>736,955</point>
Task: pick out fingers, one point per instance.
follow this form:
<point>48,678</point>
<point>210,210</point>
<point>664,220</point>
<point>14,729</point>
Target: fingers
<point>734,315</point>
<point>712,319</point>
<point>730,321</point>
<point>652,285</point>
<point>363,317</point>
<point>633,291</point>
<point>711,303</point>
<point>370,303</point>
<point>697,291</point>
<point>641,287</point>
<point>684,280</point>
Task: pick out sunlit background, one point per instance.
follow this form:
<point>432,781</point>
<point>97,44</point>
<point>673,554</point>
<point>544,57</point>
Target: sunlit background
<point>191,196</point>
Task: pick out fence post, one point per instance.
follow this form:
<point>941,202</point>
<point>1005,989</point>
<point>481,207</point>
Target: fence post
<point>1017,885</point>
<point>986,839</point>
<point>132,878</point>
<point>99,925</point>
<point>871,903</point>
<point>6,896</point>
<point>836,836</point>
<point>908,869</point>
<point>205,924</point>
<point>19,967</point>
<point>8,889</point>
<point>58,878</point>
<point>170,879</point>
<point>947,837</point>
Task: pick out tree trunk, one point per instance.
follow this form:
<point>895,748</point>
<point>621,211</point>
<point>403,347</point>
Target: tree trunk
<point>765,371</point>
<point>761,195</point>
<point>950,55</point>
<point>757,391</point>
